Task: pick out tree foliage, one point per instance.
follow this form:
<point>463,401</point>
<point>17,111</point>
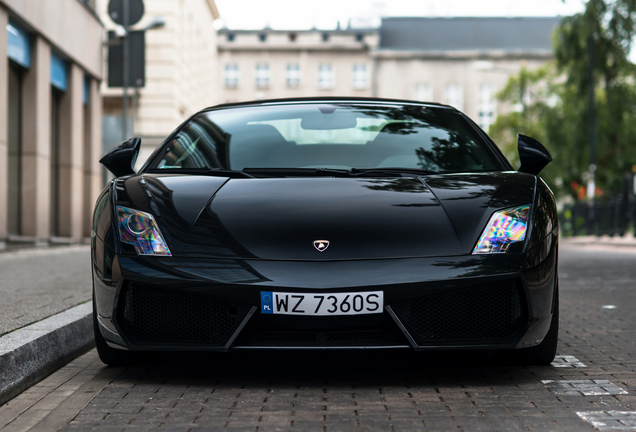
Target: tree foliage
<point>555,108</point>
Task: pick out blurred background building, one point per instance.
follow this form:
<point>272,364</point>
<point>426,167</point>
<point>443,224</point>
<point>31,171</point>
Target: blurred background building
<point>461,62</point>
<point>268,64</point>
<point>180,75</point>
<point>50,119</point>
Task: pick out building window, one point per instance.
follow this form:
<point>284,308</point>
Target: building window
<point>262,37</point>
<point>423,92</point>
<point>262,75</point>
<point>293,75</point>
<point>292,37</point>
<point>18,45</point>
<point>360,76</point>
<point>231,75</point>
<point>59,72</point>
<point>359,37</point>
<point>486,106</point>
<point>454,96</point>
<point>325,76</point>
<point>325,37</point>
<point>230,37</point>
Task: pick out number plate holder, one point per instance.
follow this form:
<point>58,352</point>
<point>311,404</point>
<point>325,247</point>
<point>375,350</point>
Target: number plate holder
<point>322,304</point>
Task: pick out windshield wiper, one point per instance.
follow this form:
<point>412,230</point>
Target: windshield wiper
<point>332,172</point>
<point>298,172</point>
<point>201,171</point>
<point>393,171</point>
<point>229,173</point>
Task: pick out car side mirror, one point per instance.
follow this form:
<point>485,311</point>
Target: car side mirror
<point>121,159</point>
<point>533,155</point>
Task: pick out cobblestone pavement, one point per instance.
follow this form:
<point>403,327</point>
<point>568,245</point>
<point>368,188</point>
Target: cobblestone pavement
<point>592,385</point>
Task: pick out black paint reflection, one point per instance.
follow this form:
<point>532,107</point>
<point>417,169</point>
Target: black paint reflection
<point>181,204</point>
<point>405,185</point>
<point>169,271</point>
<point>485,266</point>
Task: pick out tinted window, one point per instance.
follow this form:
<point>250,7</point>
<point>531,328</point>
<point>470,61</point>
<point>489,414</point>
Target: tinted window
<point>329,136</point>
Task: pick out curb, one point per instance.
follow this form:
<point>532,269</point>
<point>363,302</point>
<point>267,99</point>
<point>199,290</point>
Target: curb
<point>29,354</point>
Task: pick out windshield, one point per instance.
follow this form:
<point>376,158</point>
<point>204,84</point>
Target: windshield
<point>330,136</point>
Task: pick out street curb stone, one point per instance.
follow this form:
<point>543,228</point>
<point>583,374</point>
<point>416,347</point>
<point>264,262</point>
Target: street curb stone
<point>31,353</point>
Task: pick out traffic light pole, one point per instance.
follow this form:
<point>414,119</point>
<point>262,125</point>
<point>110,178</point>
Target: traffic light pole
<point>125,72</point>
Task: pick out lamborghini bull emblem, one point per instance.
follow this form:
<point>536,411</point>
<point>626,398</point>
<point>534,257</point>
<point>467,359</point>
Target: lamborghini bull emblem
<point>321,245</point>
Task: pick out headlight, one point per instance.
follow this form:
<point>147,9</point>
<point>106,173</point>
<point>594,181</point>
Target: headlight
<point>504,228</point>
<point>141,230</point>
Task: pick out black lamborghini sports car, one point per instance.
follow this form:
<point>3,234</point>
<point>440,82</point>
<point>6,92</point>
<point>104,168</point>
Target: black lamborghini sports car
<point>326,223</point>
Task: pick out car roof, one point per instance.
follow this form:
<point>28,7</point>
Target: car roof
<point>339,99</point>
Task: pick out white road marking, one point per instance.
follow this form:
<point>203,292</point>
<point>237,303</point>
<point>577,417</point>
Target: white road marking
<point>567,361</point>
<point>610,420</point>
<point>584,387</point>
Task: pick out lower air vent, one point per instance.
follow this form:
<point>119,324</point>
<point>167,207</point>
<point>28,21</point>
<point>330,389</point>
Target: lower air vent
<point>320,339</point>
<point>150,314</point>
<point>482,314</point>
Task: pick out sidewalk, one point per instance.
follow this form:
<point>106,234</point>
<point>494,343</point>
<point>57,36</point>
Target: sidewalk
<point>45,313</point>
<point>627,241</point>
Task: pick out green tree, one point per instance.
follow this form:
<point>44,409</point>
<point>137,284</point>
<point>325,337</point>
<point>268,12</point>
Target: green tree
<point>554,108</point>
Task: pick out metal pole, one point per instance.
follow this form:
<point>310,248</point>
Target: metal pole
<point>592,120</point>
<point>522,88</point>
<point>125,77</point>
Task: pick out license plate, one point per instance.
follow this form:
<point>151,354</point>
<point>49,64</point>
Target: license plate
<point>355,303</point>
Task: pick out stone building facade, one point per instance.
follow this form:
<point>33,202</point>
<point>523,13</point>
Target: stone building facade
<point>461,62</point>
<point>270,64</point>
<point>50,119</point>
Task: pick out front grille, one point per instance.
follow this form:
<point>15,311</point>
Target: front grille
<point>321,332</point>
<point>149,314</point>
<point>482,314</point>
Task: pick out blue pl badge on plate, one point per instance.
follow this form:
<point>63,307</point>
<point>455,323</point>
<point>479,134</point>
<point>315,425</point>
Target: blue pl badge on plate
<point>267,303</point>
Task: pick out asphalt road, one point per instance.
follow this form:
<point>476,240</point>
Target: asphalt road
<point>464,391</point>
<point>38,283</point>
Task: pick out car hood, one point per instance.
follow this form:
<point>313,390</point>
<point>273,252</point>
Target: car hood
<point>361,218</point>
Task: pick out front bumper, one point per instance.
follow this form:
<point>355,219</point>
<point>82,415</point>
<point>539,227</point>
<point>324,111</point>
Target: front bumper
<point>486,301</point>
